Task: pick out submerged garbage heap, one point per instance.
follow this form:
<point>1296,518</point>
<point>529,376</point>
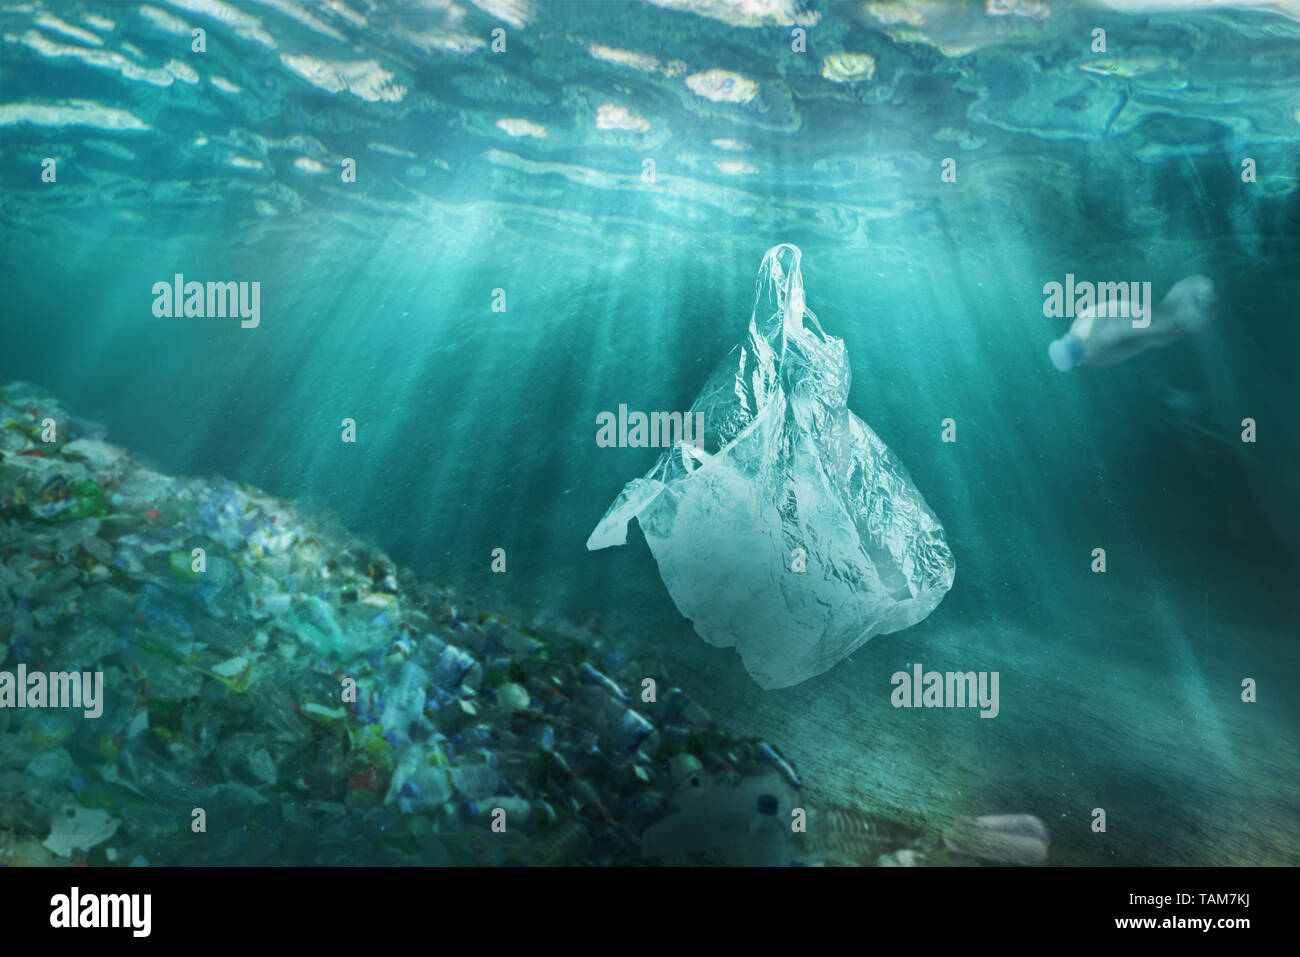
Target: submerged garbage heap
<point>287,696</point>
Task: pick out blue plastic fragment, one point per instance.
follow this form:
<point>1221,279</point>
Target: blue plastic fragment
<point>452,665</point>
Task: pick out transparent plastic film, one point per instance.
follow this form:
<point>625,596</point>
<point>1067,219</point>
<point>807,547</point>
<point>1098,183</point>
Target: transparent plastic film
<point>789,530</point>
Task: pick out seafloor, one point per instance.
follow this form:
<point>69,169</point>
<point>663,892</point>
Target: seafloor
<point>277,691</point>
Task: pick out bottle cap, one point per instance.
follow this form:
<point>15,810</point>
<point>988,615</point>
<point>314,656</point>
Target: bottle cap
<point>1066,352</point>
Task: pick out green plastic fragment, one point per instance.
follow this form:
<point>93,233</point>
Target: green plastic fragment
<point>182,566</point>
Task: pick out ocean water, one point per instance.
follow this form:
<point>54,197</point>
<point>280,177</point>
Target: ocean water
<point>617,194</point>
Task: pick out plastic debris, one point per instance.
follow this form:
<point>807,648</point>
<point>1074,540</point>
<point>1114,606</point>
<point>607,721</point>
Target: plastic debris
<point>781,524</point>
<point>320,704</point>
<point>1000,838</point>
<point>78,828</point>
<point>1114,330</point>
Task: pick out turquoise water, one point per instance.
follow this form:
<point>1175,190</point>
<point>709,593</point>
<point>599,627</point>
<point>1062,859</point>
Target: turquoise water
<point>476,428</point>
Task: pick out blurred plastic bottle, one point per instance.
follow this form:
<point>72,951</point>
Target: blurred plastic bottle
<point>562,844</point>
<point>633,731</point>
<point>1001,838</point>
<point>475,781</point>
<point>1104,340</point>
<point>521,768</point>
<point>318,625</point>
<point>591,676</point>
<point>405,700</point>
<point>602,711</point>
<point>430,649</point>
<point>642,809</point>
<point>66,538</point>
<point>769,755</point>
<point>421,781</point>
<point>768,844</point>
<point>520,814</point>
<point>678,708</point>
<point>453,665</point>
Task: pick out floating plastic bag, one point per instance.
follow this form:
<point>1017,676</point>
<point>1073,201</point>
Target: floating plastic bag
<point>787,530</point>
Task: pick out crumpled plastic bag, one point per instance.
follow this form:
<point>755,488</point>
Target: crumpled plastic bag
<point>784,478</point>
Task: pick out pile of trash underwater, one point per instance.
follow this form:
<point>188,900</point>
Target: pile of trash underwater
<point>261,687</point>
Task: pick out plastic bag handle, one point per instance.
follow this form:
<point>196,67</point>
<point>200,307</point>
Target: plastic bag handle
<point>790,300</point>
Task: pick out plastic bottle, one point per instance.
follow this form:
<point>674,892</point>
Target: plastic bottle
<point>591,676</point>
<point>520,814</point>
<point>430,650</point>
<point>405,699</point>
<point>682,766</point>
<point>1001,838</point>
<point>453,664</point>
<point>843,835</point>
<point>475,781</point>
<point>603,712</point>
<point>768,843</point>
<point>631,731</point>
<point>419,782</point>
<point>1106,339</point>
<point>521,767</point>
<point>317,624</point>
<point>562,844</point>
<point>769,755</point>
